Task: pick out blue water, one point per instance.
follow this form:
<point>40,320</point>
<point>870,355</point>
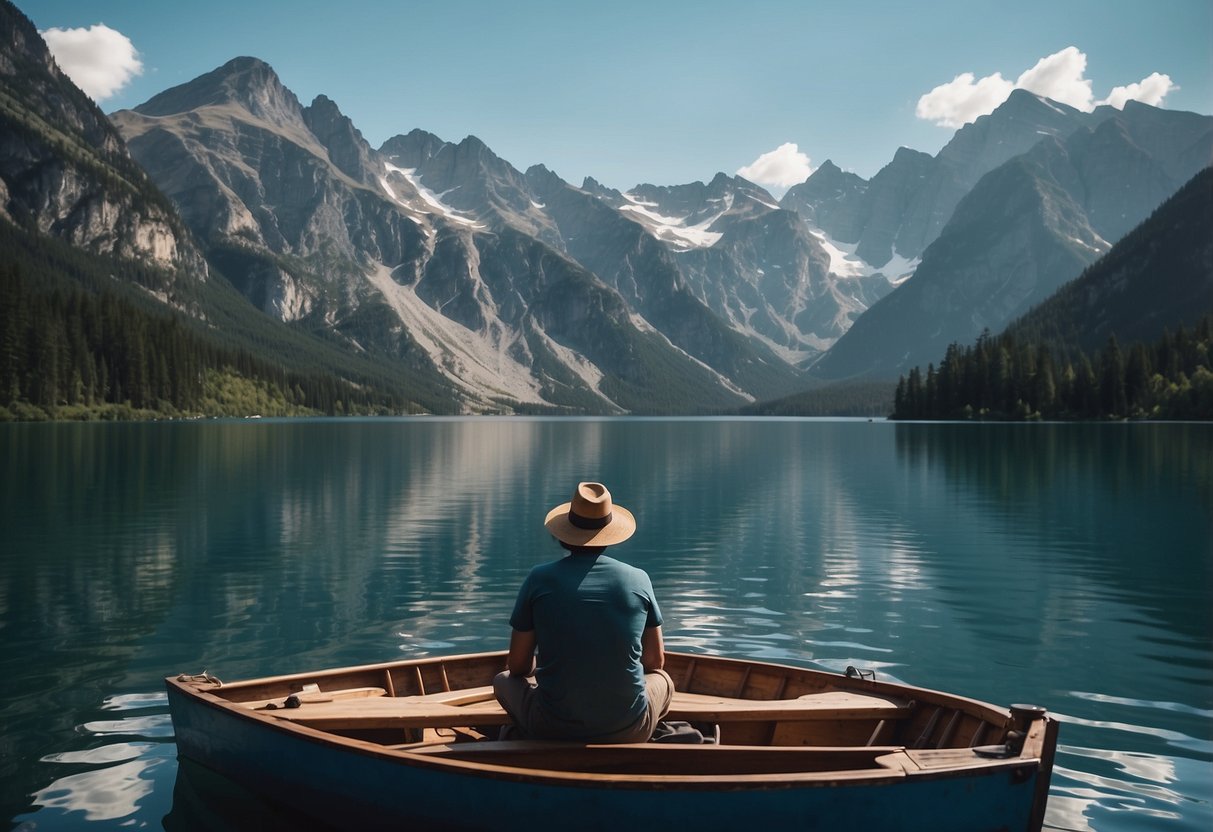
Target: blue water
<point>1068,565</point>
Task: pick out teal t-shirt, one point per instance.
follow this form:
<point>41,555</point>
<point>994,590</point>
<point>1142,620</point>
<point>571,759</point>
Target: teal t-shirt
<point>588,613</point>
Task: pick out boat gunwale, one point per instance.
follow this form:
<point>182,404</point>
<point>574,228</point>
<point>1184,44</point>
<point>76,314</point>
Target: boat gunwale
<point>985,711</point>
<point>682,782</point>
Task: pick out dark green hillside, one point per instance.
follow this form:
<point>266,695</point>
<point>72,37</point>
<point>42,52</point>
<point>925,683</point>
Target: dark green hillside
<point>1006,378</point>
<point>46,107</point>
<point>79,338</point>
<point>846,398</point>
<point>1158,276</point>
<point>1132,337</point>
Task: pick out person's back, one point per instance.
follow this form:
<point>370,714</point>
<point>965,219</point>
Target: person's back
<point>597,628</point>
<point>589,613</point>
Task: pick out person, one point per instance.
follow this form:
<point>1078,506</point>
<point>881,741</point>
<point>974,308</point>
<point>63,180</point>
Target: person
<point>586,650</point>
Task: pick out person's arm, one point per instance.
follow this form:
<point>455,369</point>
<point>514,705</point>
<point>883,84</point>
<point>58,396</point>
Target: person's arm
<point>652,649</point>
<point>521,661</point>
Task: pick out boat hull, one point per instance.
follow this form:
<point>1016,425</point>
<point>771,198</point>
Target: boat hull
<point>358,786</point>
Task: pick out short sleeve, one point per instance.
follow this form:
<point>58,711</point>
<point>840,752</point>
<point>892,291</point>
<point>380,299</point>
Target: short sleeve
<point>654,618</point>
<point>523,616</point>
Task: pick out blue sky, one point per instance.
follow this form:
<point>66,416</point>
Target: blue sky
<point>651,91</point>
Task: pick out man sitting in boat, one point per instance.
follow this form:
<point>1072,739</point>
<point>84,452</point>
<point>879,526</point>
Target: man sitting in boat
<point>597,628</point>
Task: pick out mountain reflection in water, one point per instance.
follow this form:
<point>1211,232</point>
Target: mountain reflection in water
<point>1069,565</point>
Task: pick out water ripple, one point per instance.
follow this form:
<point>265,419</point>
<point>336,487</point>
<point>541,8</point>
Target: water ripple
<point>110,793</point>
<point>127,781</point>
<point>1177,707</point>
<point>134,701</point>
<point>102,755</point>
<point>1175,738</point>
<point>159,725</point>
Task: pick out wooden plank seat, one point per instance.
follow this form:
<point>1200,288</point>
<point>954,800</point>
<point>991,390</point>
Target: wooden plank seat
<point>312,693</point>
<point>656,758</point>
<point>478,707</point>
<point>393,712</point>
<point>830,704</point>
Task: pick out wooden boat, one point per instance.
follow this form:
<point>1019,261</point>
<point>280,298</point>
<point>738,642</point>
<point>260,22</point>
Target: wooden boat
<point>414,744</point>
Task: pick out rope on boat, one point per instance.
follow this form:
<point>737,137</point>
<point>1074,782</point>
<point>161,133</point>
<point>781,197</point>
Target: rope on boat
<point>204,676</point>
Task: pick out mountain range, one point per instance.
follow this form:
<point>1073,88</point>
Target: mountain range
<point>1158,277</point>
<point>1025,227</point>
<point>500,290</point>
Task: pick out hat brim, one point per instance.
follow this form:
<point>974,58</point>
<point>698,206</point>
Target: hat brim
<point>621,527</point>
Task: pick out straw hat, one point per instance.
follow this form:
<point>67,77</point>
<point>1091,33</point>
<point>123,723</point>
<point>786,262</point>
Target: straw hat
<point>590,519</point>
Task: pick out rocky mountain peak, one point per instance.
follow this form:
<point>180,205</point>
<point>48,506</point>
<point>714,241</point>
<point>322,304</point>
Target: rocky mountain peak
<point>248,83</point>
<point>412,150</point>
<point>828,175</point>
<point>540,178</point>
<point>686,201</point>
<point>826,169</point>
<point>325,109</point>
<point>908,156</point>
<point>1017,124</point>
<point>593,186</point>
<point>346,147</point>
<point>473,179</point>
<point>472,144</point>
<point>31,75</point>
<point>829,199</point>
<point>472,157</point>
<point>93,195</point>
<point>18,37</point>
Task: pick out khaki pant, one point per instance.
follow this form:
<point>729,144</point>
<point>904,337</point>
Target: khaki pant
<point>519,697</point>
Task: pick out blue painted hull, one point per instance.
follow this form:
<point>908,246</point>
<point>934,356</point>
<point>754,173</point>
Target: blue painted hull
<point>364,788</point>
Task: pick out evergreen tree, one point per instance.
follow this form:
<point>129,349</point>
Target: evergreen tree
<point>1137,380</point>
<point>1112,380</point>
<point>1005,378</point>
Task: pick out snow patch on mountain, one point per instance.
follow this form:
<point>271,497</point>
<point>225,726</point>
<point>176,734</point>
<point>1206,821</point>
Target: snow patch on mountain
<point>772,205</point>
<point>411,211</point>
<point>844,262</point>
<point>674,230</point>
<point>430,198</point>
<point>1100,246</point>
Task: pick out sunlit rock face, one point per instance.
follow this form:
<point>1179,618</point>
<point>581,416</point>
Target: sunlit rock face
<point>65,170</point>
<point>523,290</point>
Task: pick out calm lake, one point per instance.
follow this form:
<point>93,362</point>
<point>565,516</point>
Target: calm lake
<point>1066,565</point>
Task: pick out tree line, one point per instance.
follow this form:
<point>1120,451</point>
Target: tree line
<point>67,351</point>
<point>846,398</point>
<point>1007,378</point>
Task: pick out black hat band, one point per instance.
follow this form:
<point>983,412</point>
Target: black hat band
<point>589,522</point>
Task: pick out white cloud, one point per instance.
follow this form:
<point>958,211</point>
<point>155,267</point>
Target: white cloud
<point>1059,76</point>
<point>99,60</point>
<point>780,168</point>
<point>961,100</point>
<point>1151,90</point>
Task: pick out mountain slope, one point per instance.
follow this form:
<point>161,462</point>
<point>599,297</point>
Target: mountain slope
<point>422,251</point>
<point>1024,230</point>
<point>1158,277</point>
<point>906,205</point>
<point>65,171</point>
<point>762,270</point>
<point>626,254</point>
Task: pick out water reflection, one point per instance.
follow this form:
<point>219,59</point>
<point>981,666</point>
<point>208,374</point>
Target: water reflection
<point>203,800</point>
<point>121,778</point>
<point>104,794</point>
<point>1063,564</point>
